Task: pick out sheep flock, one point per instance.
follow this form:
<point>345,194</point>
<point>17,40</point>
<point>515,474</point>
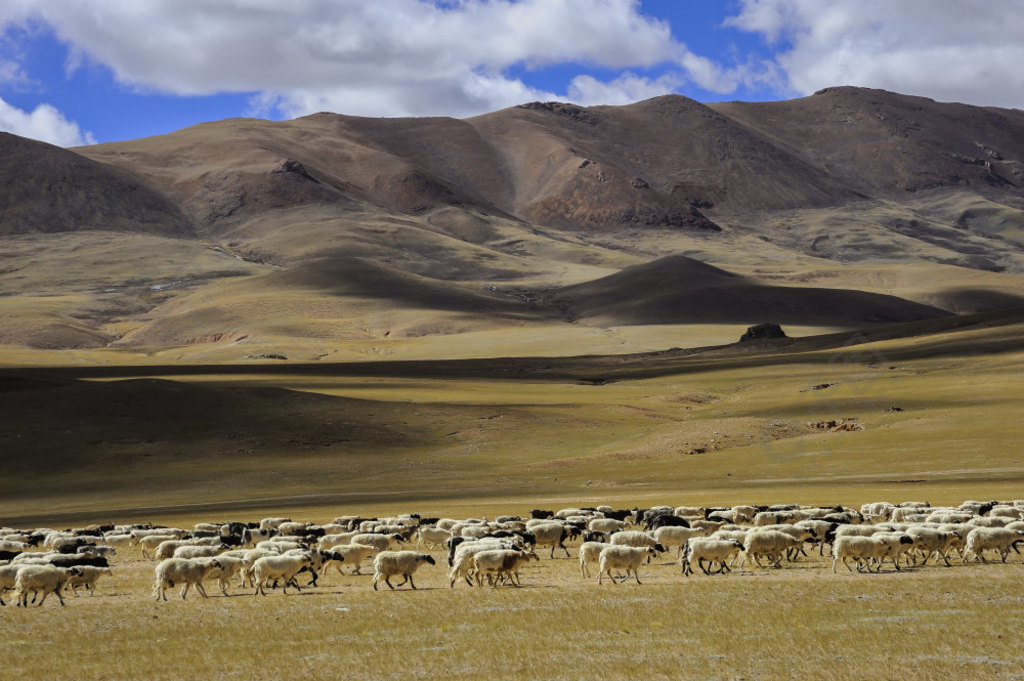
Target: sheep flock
<point>279,554</point>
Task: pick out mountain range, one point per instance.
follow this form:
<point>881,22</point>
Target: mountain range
<point>542,228</point>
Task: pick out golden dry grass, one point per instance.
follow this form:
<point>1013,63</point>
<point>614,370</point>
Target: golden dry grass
<point>923,623</point>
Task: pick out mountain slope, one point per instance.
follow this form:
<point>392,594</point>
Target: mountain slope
<point>680,290</point>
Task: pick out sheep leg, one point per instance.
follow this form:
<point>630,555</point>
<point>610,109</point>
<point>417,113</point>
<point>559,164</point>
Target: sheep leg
<point>700,564</point>
<point>201,590</point>
<point>44,598</point>
<point>184,590</point>
<point>636,576</point>
<point>409,579</point>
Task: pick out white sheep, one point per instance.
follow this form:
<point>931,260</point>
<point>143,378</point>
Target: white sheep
<point>282,568</point>
<point>670,536</point>
<point>432,536</point>
<point>383,542</point>
<point>273,523</point>
<point>329,541</point>
<point>770,544</point>
<point>636,539</point>
<point>46,579</point>
<point>354,555</point>
<point>388,564</point>
<point>8,573</point>
<point>710,549</point>
<point>861,549</point>
<point>462,561</point>
<point>550,533</point>
<point>930,541</point>
<point>88,578</point>
<point>590,552</point>
<point>1000,539</point>
<point>606,525</point>
<point>501,564</point>
<point>229,567</point>
<point>186,571</point>
<point>621,557</point>
<point>193,551</point>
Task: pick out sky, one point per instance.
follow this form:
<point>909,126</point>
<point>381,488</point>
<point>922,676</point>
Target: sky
<point>76,72</point>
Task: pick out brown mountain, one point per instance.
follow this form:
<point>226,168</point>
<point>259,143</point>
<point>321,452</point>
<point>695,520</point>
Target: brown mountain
<point>823,210</point>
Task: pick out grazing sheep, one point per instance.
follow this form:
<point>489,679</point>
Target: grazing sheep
<point>621,557</point>
<point>42,578</point>
<point>700,549</point>
<point>770,544</point>
<point>87,578</point>
<point>461,555</point>
<point>1000,539</point>
<point>187,571</point>
<point>354,555</point>
<point>282,568</point>
<point>387,564</point>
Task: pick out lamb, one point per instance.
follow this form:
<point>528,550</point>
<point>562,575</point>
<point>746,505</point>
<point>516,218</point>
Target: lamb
<point>1001,539</point>
<point>387,564</point>
<point>676,536</point>
<point>354,555</point>
<point>461,557</point>
<point>622,557</point>
<point>501,563</point>
<point>87,578</point>
<point>190,571</point>
<point>42,578</point>
<point>282,568</point>
<point>771,544</point>
<point>700,549</point>
<point>590,552</point>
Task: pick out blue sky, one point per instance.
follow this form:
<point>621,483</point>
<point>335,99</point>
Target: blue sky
<point>75,72</point>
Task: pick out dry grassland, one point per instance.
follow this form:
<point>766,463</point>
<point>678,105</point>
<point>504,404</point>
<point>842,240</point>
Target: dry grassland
<point>799,621</point>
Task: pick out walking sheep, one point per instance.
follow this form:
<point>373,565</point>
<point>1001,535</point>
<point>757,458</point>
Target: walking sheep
<point>388,564</point>
<point>187,571</point>
<point>626,558</point>
<point>700,549</point>
<point>282,568</point>
<point>41,578</point>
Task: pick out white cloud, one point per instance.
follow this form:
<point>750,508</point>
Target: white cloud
<point>950,50</point>
<point>625,89</point>
<point>44,123</point>
<point>385,57</point>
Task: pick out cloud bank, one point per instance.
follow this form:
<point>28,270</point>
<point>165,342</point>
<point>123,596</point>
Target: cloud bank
<point>951,50</point>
